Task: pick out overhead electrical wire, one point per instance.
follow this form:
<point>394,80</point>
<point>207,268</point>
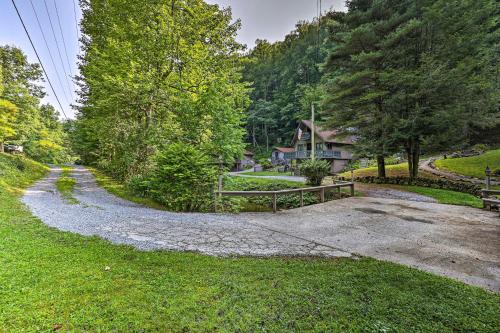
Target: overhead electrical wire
<point>76,23</point>
<point>50,53</point>
<point>62,37</point>
<point>57,45</point>
<point>38,57</point>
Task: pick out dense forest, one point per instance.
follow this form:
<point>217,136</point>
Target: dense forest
<point>24,121</point>
<point>402,76</point>
<point>285,78</point>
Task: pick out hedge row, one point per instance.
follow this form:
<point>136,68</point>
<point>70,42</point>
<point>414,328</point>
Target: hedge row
<point>444,184</point>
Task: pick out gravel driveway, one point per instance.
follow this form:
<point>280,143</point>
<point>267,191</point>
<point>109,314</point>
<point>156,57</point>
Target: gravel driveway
<point>102,214</point>
<point>459,242</point>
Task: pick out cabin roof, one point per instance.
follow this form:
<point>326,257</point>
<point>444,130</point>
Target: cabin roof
<point>327,135</point>
<point>285,149</point>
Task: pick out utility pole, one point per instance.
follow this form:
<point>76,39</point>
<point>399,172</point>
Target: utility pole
<point>313,144</point>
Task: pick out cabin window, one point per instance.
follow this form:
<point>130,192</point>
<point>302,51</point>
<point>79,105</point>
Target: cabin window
<point>319,146</point>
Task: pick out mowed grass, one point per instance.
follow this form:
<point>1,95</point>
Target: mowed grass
<point>443,196</point>
<point>119,189</point>
<point>57,280</point>
<point>473,166</point>
<point>395,170</point>
<point>267,173</point>
<point>66,184</point>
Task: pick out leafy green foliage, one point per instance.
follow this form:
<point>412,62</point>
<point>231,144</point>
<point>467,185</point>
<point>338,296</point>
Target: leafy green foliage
<point>23,120</point>
<point>184,179</point>
<point>285,78</point>
<point>264,203</point>
<point>407,76</point>
<point>156,73</point>
<point>314,171</point>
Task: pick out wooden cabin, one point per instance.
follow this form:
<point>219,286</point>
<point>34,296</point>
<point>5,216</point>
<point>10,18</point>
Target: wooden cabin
<point>329,146</point>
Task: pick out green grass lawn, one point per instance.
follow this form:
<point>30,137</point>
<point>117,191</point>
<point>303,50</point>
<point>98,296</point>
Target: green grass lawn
<point>119,189</point>
<point>52,279</point>
<point>471,166</point>
<point>395,170</point>
<point>267,173</point>
<point>65,185</point>
<point>443,196</point>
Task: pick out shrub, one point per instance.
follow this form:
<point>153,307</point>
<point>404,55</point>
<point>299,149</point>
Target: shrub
<point>265,164</point>
<point>284,201</point>
<point>184,179</point>
<point>315,171</point>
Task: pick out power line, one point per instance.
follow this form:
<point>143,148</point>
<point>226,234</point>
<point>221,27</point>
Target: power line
<point>62,36</point>
<point>38,57</point>
<point>57,44</point>
<point>76,23</point>
<point>48,48</point>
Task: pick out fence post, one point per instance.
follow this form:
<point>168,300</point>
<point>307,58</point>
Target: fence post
<point>339,190</point>
<point>275,208</point>
<point>301,198</point>
<point>215,198</point>
<point>322,195</point>
<point>352,189</point>
<point>219,185</point>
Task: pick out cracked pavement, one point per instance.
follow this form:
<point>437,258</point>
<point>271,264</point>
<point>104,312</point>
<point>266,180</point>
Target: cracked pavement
<point>102,214</point>
<point>454,241</point>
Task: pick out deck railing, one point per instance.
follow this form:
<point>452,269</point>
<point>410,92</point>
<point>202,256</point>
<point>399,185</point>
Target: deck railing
<point>300,154</point>
<point>301,191</point>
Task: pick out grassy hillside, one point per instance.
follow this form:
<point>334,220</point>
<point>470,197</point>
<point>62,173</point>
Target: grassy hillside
<point>471,166</point>
<point>395,170</point>
<point>17,172</point>
<point>52,280</point>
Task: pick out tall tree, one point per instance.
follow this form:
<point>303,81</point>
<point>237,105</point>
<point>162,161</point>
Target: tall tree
<point>22,119</point>
<point>155,73</point>
<point>407,74</point>
<point>284,77</point>
<point>7,117</point>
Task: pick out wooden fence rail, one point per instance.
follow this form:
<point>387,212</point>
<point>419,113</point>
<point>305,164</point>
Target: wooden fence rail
<point>301,191</point>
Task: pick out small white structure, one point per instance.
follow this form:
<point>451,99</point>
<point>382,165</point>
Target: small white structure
<point>278,155</point>
<point>245,162</point>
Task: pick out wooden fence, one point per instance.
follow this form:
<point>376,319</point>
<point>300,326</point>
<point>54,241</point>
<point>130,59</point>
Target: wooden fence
<point>301,191</point>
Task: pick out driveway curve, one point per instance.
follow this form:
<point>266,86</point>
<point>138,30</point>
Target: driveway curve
<point>458,242</point>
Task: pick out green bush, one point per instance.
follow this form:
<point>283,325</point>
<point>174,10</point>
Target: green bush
<point>183,180</point>
<point>314,171</point>
<point>265,164</point>
<point>284,201</point>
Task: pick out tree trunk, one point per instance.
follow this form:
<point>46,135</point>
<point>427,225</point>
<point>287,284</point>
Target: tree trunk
<point>254,139</point>
<point>267,136</point>
<point>381,166</point>
<point>1,147</point>
<point>416,158</point>
<point>413,154</point>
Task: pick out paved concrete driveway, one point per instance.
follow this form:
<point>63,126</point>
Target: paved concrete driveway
<point>459,242</point>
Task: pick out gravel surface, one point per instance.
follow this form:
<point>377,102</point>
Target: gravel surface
<point>429,166</point>
<point>374,191</point>
<point>100,213</point>
<point>454,241</point>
